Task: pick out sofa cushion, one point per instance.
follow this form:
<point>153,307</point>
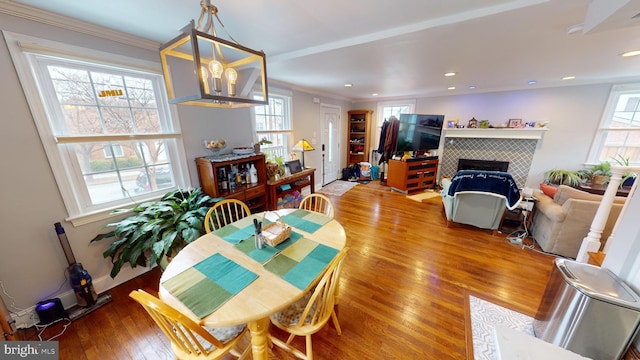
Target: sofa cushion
<point>565,193</point>
<point>548,190</point>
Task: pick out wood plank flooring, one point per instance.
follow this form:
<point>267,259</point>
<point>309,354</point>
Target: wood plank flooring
<point>402,293</point>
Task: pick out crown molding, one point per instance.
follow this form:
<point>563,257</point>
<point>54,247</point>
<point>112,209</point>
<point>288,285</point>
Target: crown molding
<point>50,18</point>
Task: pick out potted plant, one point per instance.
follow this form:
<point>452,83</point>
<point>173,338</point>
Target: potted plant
<point>600,173</point>
<point>564,177</point>
<point>157,229</point>
<point>263,141</point>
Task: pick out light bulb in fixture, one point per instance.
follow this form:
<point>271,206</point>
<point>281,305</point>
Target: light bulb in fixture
<point>205,78</point>
<point>216,72</point>
<point>232,76</point>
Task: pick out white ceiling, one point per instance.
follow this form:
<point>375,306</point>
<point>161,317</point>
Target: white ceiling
<point>401,48</point>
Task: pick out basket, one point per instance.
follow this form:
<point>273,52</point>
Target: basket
<point>276,232</point>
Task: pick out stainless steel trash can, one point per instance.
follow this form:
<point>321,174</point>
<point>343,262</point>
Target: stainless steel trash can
<point>587,310</point>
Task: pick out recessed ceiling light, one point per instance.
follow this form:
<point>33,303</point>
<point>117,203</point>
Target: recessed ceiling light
<point>575,28</point>
<point>451,88</point>
<point>348,85</point>
<point>450,74</point>
<point>568,78</point>
<point>532,82</point>
<point>374,94</point>
<point>630,53</point>
<point>472,87</point>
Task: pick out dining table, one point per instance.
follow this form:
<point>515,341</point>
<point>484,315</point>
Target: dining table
<point>223,279</point>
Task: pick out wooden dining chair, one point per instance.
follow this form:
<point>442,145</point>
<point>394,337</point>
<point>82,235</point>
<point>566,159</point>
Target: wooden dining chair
<point>225,212</point>
<point>312,312</point>
<point>190,340</point>
<point>318,203</point>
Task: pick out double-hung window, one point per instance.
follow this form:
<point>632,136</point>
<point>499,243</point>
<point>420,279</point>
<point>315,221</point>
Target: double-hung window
<point>618,137</point>
<point>273,123</point>
<point>106,127</point>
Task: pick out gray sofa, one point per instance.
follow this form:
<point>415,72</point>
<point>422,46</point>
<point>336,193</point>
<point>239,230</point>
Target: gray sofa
<point>562,222</point>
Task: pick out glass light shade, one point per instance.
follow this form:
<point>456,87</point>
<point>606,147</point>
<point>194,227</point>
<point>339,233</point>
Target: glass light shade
<point>183,56</point>
<point>302,145</point>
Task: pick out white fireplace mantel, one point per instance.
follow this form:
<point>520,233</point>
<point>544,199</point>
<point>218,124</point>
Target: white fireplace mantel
<point>495,133</point>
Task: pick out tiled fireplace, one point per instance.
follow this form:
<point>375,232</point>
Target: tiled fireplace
<point>516,146</point>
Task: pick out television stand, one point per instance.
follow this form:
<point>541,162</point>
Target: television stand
<point>421,158</point>
<point>412,175</point>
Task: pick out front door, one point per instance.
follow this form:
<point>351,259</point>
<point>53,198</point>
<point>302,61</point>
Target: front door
<point>330,142</point>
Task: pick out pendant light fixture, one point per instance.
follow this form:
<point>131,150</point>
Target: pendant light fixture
<point>202,69</point>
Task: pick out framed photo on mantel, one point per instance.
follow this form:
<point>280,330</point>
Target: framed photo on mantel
<point>515,123</point>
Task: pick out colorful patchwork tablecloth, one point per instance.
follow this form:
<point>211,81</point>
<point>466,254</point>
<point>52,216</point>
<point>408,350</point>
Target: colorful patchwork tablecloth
<point>306,220</point>
<point>300,263</point>
<point>206,286</point>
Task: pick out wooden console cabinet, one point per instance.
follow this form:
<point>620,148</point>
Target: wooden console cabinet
<point>254,195</point>
<point>412,175</point>
<point>293,182</point>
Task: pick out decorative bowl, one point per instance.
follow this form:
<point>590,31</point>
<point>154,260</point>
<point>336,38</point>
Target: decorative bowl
<point>243,150</point>
<point>215,145</point>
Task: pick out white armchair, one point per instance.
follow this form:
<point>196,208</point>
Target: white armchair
<point>483,209</point>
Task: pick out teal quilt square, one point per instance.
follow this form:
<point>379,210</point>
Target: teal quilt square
<point>323,253</point>
<point>303,273</point>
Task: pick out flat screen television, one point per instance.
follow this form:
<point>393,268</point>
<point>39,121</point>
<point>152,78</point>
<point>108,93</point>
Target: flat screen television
<point>418,132</point>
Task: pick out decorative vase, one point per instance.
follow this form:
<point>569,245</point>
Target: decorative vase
<point>256,148</point>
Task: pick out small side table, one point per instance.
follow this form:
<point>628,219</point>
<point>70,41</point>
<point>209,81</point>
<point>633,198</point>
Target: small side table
<point>519,218</point>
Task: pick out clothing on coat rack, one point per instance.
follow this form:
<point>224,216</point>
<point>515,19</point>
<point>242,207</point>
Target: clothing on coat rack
<point>391,137</point>
<point>383,136</point>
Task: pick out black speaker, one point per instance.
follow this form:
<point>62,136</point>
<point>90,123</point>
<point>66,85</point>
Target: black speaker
<point>50,311</point>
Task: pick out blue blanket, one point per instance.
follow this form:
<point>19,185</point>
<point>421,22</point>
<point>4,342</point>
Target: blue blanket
<point>496,182</point>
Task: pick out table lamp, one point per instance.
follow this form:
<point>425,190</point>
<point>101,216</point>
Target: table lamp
<point>302,145</point>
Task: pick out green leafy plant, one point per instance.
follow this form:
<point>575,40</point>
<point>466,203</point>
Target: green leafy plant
<point>600,173</point>
<point>564,177</point>
<point>602,169</point>
<point>157,229</point>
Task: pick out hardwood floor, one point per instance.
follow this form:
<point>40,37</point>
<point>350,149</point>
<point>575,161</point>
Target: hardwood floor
<point>402,293</point>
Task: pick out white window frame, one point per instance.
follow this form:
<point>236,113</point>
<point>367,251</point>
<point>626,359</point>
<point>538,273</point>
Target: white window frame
<point>259,134</point>
<point>66,171</point>
<point>599,139</point>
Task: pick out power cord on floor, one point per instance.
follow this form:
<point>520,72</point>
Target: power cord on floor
<point>42,328</point>
<point>519,238</point>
